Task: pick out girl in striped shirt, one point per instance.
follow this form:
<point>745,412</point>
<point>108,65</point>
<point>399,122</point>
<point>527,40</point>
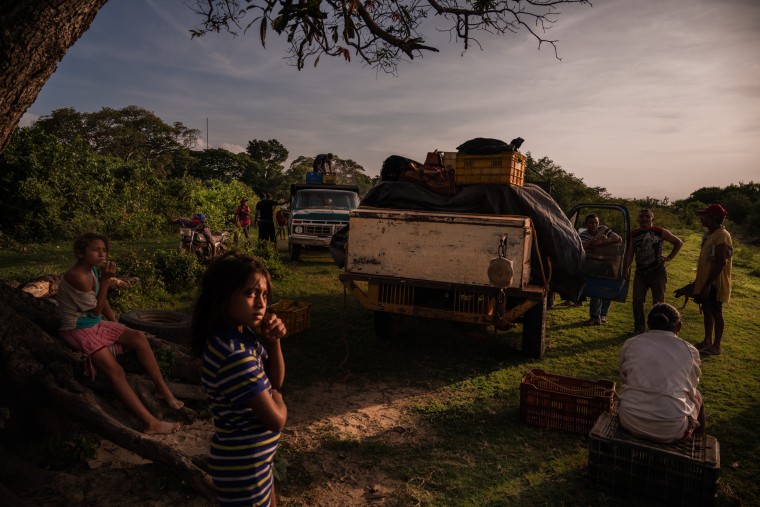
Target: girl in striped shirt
<point>243,370</point>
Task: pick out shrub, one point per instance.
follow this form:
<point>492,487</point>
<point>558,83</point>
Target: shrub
<point>179,272</point>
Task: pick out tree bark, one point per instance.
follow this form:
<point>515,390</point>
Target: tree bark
<point>41,369</point>
<point>34,37</point>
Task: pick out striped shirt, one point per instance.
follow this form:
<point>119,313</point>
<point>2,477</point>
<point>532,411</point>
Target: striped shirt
<point>242,449</point>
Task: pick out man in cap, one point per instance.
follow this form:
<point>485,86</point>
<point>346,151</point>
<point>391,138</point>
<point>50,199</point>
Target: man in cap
<point>712,286</point>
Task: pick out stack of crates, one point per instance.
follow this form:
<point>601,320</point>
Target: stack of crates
<point>682,473</point>
<point>506,168</point>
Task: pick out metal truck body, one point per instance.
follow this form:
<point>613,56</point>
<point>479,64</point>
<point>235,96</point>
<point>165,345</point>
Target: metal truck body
<point>317,211</point>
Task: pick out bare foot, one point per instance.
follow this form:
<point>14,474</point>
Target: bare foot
<point>714,351</point>
<point>162,427</point>
<point>171,400</point>
<point>702,345</point>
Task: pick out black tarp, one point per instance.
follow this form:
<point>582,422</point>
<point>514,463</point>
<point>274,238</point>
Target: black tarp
<point>558,242</point>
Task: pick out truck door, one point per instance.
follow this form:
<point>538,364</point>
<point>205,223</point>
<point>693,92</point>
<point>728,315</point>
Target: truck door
<point>605,266</point>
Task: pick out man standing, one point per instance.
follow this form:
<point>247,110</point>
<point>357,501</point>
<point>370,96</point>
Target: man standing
<point>712,286</point>
<point>266,225</point>
<point>593,237</point>
<point>243,218</point>
<point>650,264</point>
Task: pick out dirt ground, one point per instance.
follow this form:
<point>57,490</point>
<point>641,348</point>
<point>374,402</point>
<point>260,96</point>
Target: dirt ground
<point>345,410</point>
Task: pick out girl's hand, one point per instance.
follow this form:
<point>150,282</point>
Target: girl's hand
<point>108,270</point>
<point>272,328</point>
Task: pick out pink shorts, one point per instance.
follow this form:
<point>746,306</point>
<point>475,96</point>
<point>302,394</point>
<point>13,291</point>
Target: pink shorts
<point>92,339</point>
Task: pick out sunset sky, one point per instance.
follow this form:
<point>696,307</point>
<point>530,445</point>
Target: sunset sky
<point>651,98</point>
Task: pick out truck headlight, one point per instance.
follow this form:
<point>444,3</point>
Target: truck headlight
<point>298,229</point>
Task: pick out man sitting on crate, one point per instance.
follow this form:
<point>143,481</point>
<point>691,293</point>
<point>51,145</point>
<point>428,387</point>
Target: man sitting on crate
<point>659,399</point>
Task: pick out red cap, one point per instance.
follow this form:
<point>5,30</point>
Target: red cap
<point>715,209</point>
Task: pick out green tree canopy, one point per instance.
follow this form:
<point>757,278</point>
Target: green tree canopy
<point>566,188</point>
<point>222,165</point>
<point>130,133</point>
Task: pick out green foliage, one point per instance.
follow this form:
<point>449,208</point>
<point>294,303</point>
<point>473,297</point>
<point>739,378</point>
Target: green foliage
<point>48,188</point>
<point>217,200</point>
<point>269,256</point>
<point>165,358</point>
<point>566,189</point>
<point>296,173</point>
<point>742,202</point>
<point>347,172</point>
<point>222,165</point>
<point>180,272</point>
<point>130,133</point>
<point>268,158</point>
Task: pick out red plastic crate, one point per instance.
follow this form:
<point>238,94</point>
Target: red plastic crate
<point>564,403</point>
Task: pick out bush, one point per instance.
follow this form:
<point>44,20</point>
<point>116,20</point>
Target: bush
<point>179,272</point>
<point>267,253</point>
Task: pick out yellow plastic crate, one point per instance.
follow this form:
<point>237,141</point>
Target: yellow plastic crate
<point>294,314</point>
<point>499,168</point>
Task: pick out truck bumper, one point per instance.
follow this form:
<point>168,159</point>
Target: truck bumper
<point>446,301</point>
<point>308,241</point>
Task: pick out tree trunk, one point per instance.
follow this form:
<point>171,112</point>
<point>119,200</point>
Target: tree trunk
<point>41,369</point>
<point>34,37</point>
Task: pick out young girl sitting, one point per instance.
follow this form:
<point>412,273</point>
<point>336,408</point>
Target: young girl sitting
<point>243,370</point>
<point>82,306</point>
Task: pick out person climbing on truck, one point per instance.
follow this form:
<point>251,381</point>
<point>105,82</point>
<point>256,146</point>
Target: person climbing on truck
<point>323,163</point>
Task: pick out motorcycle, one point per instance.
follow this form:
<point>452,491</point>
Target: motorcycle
<point>196,237</point>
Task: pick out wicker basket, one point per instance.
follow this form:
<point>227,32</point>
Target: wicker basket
<point>294,314</point>
<point>682,473</point>
<point>501,168</point>
<point>563,403</point>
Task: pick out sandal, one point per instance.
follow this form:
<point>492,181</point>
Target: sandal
<point>593,322</point>
<point>603,320</point>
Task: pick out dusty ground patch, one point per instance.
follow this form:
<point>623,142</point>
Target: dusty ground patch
<point>342,411</point>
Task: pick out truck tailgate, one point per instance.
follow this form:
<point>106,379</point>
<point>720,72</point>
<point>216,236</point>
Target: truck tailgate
<point>435,246</point>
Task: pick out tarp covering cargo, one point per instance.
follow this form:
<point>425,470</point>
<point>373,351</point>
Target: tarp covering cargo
<point>558,241</point>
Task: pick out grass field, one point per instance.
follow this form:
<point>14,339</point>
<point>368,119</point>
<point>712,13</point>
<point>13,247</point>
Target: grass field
<point>475,450</point>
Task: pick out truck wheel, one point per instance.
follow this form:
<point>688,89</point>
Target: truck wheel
<point>295,252</point>
<point>166,325</point>
<point>534,331</point>
<point>387,325</point>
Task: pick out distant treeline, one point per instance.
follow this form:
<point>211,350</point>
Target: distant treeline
<point>742,201</point>
<point>126,173</point>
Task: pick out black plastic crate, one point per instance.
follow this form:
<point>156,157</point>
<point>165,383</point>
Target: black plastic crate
<point>682,473</point>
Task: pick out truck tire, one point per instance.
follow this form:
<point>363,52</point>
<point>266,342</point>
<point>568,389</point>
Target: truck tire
<point>295,252</point>
<point>387,325</point>
<point>534,331</point>
<point>166,325</point>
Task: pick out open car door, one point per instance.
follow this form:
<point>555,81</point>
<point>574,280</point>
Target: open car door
<point>604,268</point>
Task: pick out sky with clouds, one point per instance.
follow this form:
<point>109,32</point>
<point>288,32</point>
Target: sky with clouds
<point>650,98</point>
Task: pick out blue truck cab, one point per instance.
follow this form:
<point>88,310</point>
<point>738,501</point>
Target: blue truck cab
<point>317,211</point>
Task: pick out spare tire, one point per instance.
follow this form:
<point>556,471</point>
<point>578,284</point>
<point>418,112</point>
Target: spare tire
<point>164,324</point>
